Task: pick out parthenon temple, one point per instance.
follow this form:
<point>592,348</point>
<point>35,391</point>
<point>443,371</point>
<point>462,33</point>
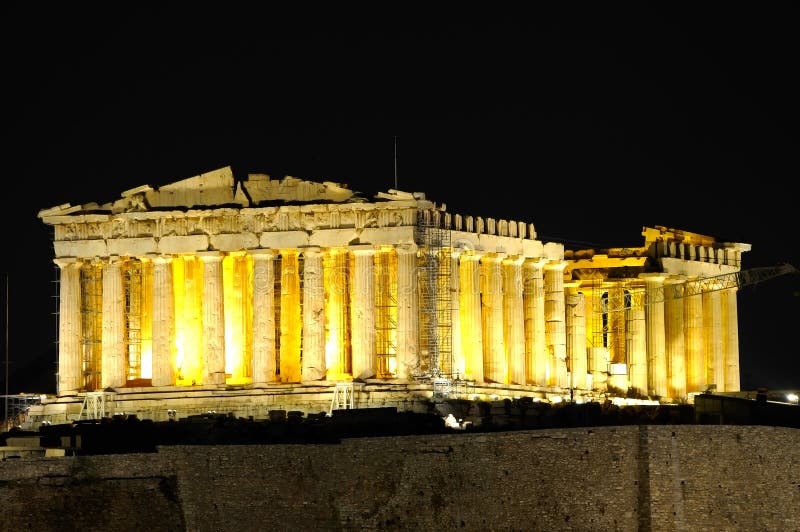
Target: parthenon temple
<point>215,293</point>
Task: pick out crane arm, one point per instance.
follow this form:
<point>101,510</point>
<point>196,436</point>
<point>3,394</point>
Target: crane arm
<point>638,297</point>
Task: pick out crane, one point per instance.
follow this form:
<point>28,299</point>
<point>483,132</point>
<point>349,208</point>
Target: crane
<point>637,297</point>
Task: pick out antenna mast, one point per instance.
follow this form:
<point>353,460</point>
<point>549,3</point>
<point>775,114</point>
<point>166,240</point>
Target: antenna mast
<point>5,414</point>
<point>395,162</point>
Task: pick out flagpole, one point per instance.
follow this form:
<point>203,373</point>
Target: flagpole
<point>5,417</point>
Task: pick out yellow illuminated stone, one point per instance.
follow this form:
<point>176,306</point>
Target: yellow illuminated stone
<point>146,348</point>
<point>336,282</point>
<point>236,273</point>
<point>188,287</point>
<point>290,316</point>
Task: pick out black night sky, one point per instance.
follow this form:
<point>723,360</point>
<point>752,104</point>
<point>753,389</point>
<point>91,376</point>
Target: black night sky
<point>589,123</point>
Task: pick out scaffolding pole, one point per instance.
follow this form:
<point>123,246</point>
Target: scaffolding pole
<point>386,313</point>
<point>132,290</point>
<point>91,324</point>
<point>434,280</point>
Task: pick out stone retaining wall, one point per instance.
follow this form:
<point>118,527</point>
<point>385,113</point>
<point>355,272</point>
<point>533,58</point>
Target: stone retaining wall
<point>665,477</point>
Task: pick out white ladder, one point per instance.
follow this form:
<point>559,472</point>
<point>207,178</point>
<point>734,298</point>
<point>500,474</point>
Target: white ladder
<point>342,397</point>
<point>94,405</point>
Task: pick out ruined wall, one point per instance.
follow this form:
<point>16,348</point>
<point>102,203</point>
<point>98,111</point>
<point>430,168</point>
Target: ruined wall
<point>669,477</point>
<point>109,493</point>
<point>723,477</point>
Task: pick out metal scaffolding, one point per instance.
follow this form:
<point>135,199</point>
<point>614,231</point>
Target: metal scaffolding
<point>434,280</point>
<point>16,409</point>
<point>132,288</point>
<point>385,313</point>
<point>91,324</point>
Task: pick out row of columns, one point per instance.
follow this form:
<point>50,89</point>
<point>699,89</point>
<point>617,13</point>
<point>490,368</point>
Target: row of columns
<point>514,320</point>
<point>321,358</point>
<point>677,345</point>
<point>507,332</point>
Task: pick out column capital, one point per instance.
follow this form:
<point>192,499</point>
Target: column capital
<point>653,278</point>
<point>514,259</point>
<point>362,249</point>
<point>406,249</point>
<point>555,265</point>
<point>494,257</point>
<point>310,251</point>
<point>262,253</point>
<point>462,245</point>
<point>536,262</point>
<point>210,256</point>
<point>158,258</point>
<point>472,255</point>
<point>63,262</point>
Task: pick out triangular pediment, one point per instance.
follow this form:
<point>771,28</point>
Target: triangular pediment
<point>261,188</point>
<point>217,188</point>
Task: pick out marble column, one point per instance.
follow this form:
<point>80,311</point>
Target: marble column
<point>674,337</point>
<point>636,348</point>
<point>163,322</point>
<point>618,377</point>
<point>535,334</point>
<point>712,325</point>
<point>407,312</point>
<point>514,319</point>
<point>114,365</point>
<point>237,302</point>
<point>187,283</point>
<point>495,365</point>
<point>337,274</point>
<point>314,366</point>
<point>291,324</point>
<point>146,317</point>
<point>656,350</point>
<point>264,360</point>
<point>470,307</point>
<point>459,362</point>
<point>213,353</point>
<point>696,376</point>
<point>69,326</point>
<point>575,316</point>
<point>731,327</point>
<point>362,316</point>
<point>554,315</point>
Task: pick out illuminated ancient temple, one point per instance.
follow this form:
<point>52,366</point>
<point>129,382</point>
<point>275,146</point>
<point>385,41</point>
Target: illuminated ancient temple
<point>244,295</point>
